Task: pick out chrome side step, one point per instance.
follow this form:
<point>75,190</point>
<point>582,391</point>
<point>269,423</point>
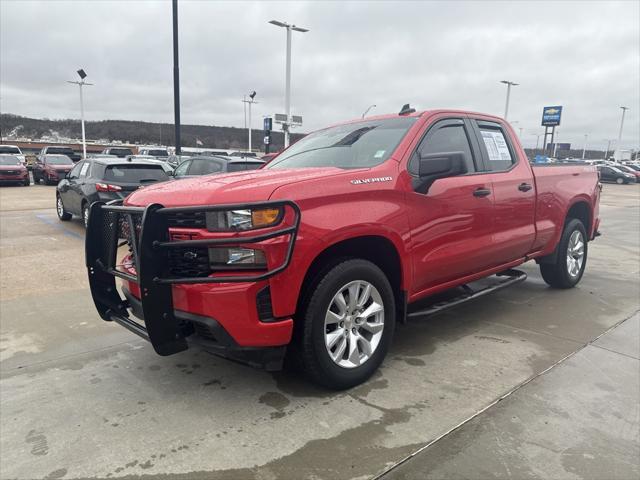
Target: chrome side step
<point>505,279</point>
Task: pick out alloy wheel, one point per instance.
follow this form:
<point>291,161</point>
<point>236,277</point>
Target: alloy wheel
<point>353,324</point>
<point>575,254</point>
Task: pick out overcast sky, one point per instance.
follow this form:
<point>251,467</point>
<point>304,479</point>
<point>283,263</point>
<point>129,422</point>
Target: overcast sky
<point>582,55</point>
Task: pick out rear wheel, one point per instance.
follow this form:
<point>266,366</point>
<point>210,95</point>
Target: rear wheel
<point>349,321</point>
<point>619,180</point>
<point>571,259</point>
<point>62,213</point>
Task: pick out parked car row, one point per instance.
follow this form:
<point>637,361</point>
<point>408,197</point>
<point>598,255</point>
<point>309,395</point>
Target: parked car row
<point>618,173</point>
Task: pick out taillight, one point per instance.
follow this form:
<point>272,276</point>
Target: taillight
<point>106,187</point>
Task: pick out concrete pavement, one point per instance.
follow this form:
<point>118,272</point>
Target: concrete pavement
<point>80,397</point>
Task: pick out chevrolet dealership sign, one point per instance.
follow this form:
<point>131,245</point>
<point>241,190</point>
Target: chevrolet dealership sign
<point>551,116</point>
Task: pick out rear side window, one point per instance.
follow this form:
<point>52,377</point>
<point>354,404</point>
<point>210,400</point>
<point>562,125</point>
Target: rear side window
<point>204,167</point>
<point>8,149</point>
<point>445,136</point>
<point>242,166</point>
<point>499,153</point>
<point>135,173</point>
<point>64,151</point>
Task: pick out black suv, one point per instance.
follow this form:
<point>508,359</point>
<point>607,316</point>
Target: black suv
<point>103,180</point>
<point>202,165</point>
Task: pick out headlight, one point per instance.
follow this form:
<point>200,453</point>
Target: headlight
<point>247,257</point>
<point>243,219</point>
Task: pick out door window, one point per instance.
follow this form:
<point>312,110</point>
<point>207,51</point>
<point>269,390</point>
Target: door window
<point>75,171</point>
<point>444,137</point>
<point>204,167</point>
<point>84,169</point>
<point>499,152</point>
<point>181,170</point>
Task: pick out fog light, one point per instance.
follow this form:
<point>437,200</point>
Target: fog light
<point>247,257</point>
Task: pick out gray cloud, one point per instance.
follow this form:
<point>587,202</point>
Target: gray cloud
<point>583,55</point>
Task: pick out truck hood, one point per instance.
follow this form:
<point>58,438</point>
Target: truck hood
<point>239,187</point>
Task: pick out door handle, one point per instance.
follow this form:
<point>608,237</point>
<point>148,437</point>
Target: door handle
<point>524,187</point>
<point>481,192</point>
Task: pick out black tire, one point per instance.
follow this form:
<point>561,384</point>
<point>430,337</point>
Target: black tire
<point>27,182</point>
<point>63,215</point>
<point>311,349</point>
<point>557,274</point>
<point>85,213</point>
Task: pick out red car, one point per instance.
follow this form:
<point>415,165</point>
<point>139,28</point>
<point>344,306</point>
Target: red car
<point>348,231</point>
<point>12,170</point>
<point>51,168</point>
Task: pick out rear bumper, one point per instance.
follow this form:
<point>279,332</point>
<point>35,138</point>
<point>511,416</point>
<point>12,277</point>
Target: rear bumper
<point>217,312</point>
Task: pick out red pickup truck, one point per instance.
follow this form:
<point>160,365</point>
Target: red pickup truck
<point>318,254</point>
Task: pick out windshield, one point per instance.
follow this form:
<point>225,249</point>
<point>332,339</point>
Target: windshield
<point>356,145</point>
<point>7,149</point>
<point>135,173</point>
<point>58,160</point>
<point>242,166</point>
<point>120,151</point>
<point>64,150</point>
<point>158,153</point>
<point>9,160</point>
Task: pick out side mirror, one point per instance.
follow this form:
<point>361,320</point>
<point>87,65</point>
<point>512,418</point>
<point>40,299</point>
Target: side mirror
<point>433,166</point>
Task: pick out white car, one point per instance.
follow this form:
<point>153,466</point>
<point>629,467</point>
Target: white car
<point>13,150</point>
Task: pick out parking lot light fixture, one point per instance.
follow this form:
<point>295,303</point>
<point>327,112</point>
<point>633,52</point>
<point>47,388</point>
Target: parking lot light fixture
<point>251,101</point>
<point>287,94</point>
<point>509,84</point>
<point>584,148</point>
<point>82,74</point>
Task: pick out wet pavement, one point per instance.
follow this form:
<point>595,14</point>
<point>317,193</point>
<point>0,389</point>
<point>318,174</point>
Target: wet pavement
<point>80,397</point>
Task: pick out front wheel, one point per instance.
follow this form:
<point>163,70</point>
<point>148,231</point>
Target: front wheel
<point>62,213</point>
<point>571,260</point>
<point>348,324</point>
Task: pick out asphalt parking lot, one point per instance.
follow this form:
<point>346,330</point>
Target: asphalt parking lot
<point>80,397</point>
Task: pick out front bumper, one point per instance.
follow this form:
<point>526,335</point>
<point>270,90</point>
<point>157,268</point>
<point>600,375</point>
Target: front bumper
<point>153,294</point>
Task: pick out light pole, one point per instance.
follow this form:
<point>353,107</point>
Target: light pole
<point>251,101</point>
<point>584,148</point>
<point>82,83</point>
<point>509,84</point>
<point>176,78</point>
<point>606,152</point>
<point>287,90</point>
<point>367,110</point>
<point>537,135</point>
<point>619,144</point>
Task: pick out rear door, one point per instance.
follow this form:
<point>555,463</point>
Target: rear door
<point>451,225</point>
<point>514,192</point>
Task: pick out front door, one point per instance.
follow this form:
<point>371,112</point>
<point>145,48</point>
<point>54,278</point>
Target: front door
<point>66,189</point>
<point>451,225</point>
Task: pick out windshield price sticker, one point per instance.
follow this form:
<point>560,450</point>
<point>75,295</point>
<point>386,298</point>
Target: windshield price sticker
<point>496,146</point>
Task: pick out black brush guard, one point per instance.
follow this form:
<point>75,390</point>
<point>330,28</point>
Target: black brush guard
<point>147,229</point>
